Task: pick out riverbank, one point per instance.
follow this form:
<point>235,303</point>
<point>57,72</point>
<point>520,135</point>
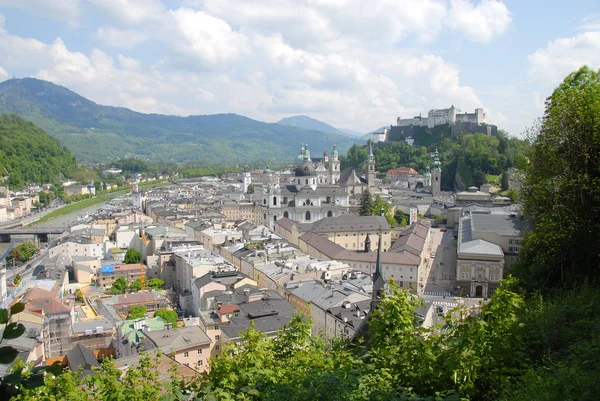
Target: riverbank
<point>74,207</point>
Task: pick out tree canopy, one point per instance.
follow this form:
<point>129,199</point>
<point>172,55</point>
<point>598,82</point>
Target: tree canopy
<point>132,256</point>
<point>168,315</point>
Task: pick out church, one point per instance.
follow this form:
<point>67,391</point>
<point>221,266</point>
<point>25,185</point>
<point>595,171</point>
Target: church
<point>314,192</point>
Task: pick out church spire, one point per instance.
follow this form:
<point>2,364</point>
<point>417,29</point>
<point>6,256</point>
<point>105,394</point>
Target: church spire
<point>378,281</point>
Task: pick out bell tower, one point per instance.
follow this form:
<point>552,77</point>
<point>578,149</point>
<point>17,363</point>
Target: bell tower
<point>334,166</point>
<point>436,175</point>
<point>371,167</point>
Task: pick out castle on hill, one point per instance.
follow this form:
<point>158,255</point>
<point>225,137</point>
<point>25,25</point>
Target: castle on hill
<point>449,116</point>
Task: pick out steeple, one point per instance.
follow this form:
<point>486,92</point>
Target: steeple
<point>436,175</point>
<point>436,161</point>
<point>368,243</point>
<point>371,167</point>
<point>378,281</point>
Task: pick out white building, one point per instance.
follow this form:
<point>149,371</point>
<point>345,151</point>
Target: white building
<point>444,116</point>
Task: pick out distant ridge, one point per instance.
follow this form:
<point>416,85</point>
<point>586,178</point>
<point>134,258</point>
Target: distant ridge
<point>310,123</point>
<point>96,133</point>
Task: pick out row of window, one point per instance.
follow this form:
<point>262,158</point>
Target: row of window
<point>467,276</point>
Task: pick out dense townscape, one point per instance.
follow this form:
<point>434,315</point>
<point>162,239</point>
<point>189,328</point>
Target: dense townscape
<point>218,257</point>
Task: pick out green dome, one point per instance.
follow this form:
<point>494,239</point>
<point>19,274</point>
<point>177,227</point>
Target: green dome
<point>334,152</point>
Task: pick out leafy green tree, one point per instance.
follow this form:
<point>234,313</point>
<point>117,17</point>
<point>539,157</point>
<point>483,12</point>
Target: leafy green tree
<point>136,285</point>
<point>137,312</point>
<point>119,286</point>
<point>168,315</point>
<point>17,280</point>
<point>356,157</point>
<point>504,181</point>
<point>132,256</point>
<point>156,283</point>
<point>401,218</point>
<point>561,191</point>
<point>78,295</point>
<point>379,205</point>
<point>250,189</point>
<point>366,203</point>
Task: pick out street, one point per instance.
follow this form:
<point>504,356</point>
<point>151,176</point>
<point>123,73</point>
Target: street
<point>439,276</point>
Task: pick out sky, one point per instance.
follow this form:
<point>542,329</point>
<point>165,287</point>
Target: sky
<point>354,64</point>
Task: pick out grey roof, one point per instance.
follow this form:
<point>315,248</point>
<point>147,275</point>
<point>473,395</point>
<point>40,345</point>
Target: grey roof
<point>496,223</point>
<point>178,339</point>
<point>346,223</point>
<point>268,316</point>
<point>480,247</point>
<point>81,357</point>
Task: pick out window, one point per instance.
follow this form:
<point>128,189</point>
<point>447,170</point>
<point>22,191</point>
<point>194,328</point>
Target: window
<point>275,218</point>
<point>286,215</point>
<point>493,277</point>
<point>264,201</point>
<point>200,363</point>
<point>330,214</point>
<point>307,215</point>
<point>186,354</point>
<point>199,351</point>
<point>218,347</point>
<point>216,327</point>
<point>217,337</point>
<point>464,275</point>
<point>306,181</point>
<point>227,316</point>
<point>275,200</point>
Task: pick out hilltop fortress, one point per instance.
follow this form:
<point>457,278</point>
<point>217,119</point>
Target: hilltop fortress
<point>410,129</point>
<point>444,116</point>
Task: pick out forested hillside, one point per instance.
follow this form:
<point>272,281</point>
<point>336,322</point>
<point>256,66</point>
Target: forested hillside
<point>473,156</point>
<point>28,154</point>
<point>96,133</point>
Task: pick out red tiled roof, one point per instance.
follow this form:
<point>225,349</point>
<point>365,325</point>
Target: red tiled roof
<point>224,309</point>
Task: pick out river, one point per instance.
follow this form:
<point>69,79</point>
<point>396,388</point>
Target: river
<point>60,221</point>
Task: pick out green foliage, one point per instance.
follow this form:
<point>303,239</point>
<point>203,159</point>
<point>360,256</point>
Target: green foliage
<point>22,252</point>
<point>366,203</point>
<point>401,218</point>
<point>17,280</point>
<point>136,285</point>
<point>156,283</point>
<point>137,312</point>
<point>380,205</point>
<point>168,315</point>
<point>119,286</point>
<point>250,190</point>
<point>78,295</point>
<point>132,256</point>
<point>561,191</point>
<point>30,155</point>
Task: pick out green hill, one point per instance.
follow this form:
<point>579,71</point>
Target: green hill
<point>97,133</point>
<point>29,154</point>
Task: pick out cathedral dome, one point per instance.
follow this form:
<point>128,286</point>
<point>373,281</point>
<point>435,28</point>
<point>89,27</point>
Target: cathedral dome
<point>305,170</point>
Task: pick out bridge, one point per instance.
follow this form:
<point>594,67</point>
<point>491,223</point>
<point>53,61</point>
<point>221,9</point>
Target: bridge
<point>38,233</point>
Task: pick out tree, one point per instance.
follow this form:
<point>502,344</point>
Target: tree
<point>561,191</point>
<point>168,315</point>
<point>78,295</point>
<point>380,204</point>
<point>132,256</point>
<point>401,218</point>
<point>136,285</point>
<point>366,203</point>
<point>137,312</point>
<point>250,189</point>
<point>480,178</point>
<point>119,286</point>
<point>504,181</point>
<point>17,280</point>
<point>156,283</point>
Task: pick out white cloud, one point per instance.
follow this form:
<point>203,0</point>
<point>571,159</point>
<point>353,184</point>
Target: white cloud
<point>565,55</point>
<point>3,74</point>
<point>122,38</point>
<point>128,63</point>
<point>130,12</point>
<point>590,22</point>
<point>537,100</point>
<point>68,10</point>
<point>481,22</point>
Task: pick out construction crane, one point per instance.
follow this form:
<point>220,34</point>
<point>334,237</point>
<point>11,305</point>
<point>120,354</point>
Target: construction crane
<point>142,276</point>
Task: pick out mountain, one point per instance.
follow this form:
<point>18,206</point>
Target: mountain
<point>28,154</point>
<point>310,123</point>
<point>96,133</point>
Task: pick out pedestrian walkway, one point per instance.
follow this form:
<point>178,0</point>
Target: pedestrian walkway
<point>444,303</point>
<point>437,293</point>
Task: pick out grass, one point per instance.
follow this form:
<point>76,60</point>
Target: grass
<point>493,179</point>
<point>73,207</point>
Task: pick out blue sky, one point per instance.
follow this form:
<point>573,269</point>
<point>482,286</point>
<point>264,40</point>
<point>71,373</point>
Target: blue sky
<point>354,64</point>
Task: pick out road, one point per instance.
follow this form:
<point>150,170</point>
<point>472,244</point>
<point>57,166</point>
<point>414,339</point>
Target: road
<point>439,275</point>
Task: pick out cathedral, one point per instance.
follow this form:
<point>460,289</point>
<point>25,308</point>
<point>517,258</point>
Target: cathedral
<point>314,192</point>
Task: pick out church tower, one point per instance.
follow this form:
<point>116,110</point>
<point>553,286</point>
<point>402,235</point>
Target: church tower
<point>371,167</point>
<point>247,180</point>
<point>436,175</point>
<point>334,166</point>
